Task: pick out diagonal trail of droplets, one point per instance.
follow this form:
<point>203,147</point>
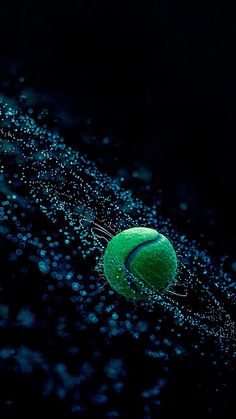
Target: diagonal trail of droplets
<point>88,207</point>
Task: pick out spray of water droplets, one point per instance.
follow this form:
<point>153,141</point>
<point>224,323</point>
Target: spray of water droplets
<point>60,210</point>
<point>87,207</point>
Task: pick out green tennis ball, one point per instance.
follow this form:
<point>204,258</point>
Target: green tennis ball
<point>139,260</point>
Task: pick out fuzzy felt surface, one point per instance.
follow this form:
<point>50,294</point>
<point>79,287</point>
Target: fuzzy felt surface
<point>138,258</point>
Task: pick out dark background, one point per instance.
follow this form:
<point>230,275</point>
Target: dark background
<point>158,77</point>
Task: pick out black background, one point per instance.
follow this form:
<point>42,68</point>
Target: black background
<point>158,76</point>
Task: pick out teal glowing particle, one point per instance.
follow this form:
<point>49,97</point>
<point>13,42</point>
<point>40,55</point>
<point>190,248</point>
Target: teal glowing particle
<point>139,261</point>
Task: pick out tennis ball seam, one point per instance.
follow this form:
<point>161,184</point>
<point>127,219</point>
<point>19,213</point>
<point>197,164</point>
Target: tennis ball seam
<point>137,248</point>
<point>129,276</point>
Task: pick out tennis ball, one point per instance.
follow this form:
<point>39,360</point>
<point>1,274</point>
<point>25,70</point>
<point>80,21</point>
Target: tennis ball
<point>139,260</point>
